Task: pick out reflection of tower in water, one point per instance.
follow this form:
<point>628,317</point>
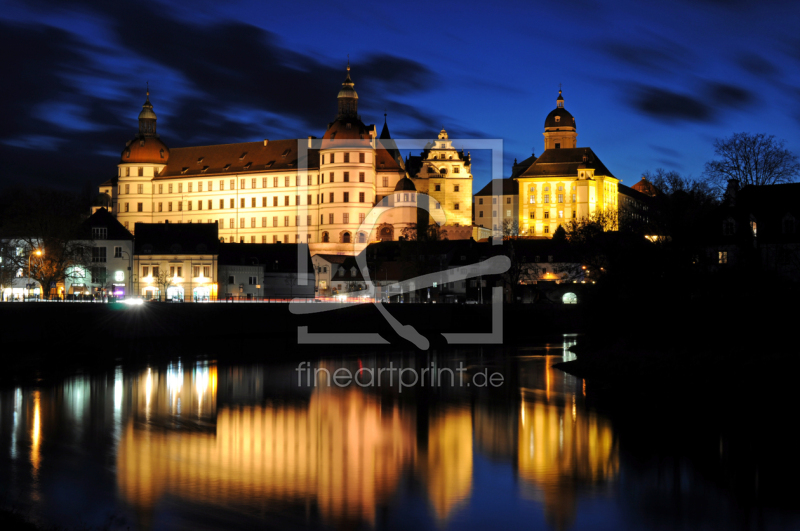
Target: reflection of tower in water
<point>562,448</point>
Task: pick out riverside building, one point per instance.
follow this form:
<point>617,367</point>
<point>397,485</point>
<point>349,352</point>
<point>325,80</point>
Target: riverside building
<point>281,191</point>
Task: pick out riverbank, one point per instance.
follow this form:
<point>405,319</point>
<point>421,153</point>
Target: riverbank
<point>44,340</point>
<point>719,345</point>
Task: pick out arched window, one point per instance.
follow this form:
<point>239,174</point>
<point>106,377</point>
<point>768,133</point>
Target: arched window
<point>386,233</point>
<point>362,238</point>
<point>346,237</point>
<point>325,237</point>
<point>569,298</point>
<point>443,170</point>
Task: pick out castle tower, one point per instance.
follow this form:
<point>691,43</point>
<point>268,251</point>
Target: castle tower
<point>559,127</point>
<point>142,159</point>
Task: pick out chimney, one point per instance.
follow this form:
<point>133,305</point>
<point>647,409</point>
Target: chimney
<point>731,191</point>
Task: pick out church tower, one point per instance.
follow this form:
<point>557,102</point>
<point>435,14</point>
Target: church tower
<point>559,127</point>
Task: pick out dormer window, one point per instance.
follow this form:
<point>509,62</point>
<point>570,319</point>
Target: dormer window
<point>788,224</point>
<point>128,154</point>
<point>226,167</point>
<point>243,155</point>
<point>184,170</point>
<point>247,166</point>
<point>286,152</point>
<point>200,160</point>
<point>162,153</point>
<point>269,164</point>
<point>728,227</point>
<point>205,169</point>
<point>558,119</point>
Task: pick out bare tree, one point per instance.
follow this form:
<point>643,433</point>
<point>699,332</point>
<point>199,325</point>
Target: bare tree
<point>290,279</point>
<point>755,159</point>
<point>46,225</point>
<point>9,264</point>
<point>163,280</point>
<point>430,233</point>
<point>510,228</point>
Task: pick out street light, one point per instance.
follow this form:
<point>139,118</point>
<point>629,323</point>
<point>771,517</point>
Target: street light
<point>37,253</point>
<point>129,294</point>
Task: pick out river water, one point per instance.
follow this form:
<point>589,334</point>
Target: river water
<point>205,445</point>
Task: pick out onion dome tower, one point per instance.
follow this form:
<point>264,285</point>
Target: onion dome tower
<point>347,125</point>
<point>146,147</point>
<point>348,98</point>
<point>560,130</point>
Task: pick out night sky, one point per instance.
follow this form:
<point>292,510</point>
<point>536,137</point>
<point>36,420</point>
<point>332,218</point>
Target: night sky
<point>650,84</point>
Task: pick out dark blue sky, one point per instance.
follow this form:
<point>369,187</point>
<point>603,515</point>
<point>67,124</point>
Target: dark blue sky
<point>650,84</point>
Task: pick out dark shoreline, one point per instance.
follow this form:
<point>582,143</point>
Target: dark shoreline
<point>43,341</point>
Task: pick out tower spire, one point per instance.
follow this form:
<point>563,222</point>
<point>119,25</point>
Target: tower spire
<point>147,118</point>
<point>348,99</point>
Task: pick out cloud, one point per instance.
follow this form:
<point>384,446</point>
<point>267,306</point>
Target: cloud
<point>671,106</point>
<point>215,82</point>
<point>670,163</point>
<point>704,105</point>
<point>756,65</point>
<point>665,150</point>
<point>729,95</point>
<point>662,55</point>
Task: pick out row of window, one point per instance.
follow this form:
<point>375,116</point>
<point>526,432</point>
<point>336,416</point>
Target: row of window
<point>494,200</point>
<point>560,214</point>
<point>438,187</point>
<point>190,187</point>
<point>99,254</point>
<point>345,158</point>
<point>558,198</point>
<point>443,171</point>
<point>176,271</point>
<point>494,213</point>
<point>559,188</point>
<point>266,239</point>
<point>190,205</point>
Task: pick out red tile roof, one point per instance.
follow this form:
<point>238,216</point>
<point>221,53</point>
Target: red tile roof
<point>225,159</point>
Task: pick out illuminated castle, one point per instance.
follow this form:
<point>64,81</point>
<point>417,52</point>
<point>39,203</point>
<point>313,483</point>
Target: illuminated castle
<point>565,182</point>
<point>274,191</point>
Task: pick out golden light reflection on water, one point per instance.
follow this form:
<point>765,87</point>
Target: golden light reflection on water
<point>562,449</point>
<point>36,433</point>
<point>345,451</point>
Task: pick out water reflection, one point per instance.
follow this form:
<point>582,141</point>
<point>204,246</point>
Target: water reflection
<point>197,440</point>
<point>343,452</point>
<point>36,432</point>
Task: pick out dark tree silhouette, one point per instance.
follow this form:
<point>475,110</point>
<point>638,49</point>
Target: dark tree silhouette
<point>755,159</point>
